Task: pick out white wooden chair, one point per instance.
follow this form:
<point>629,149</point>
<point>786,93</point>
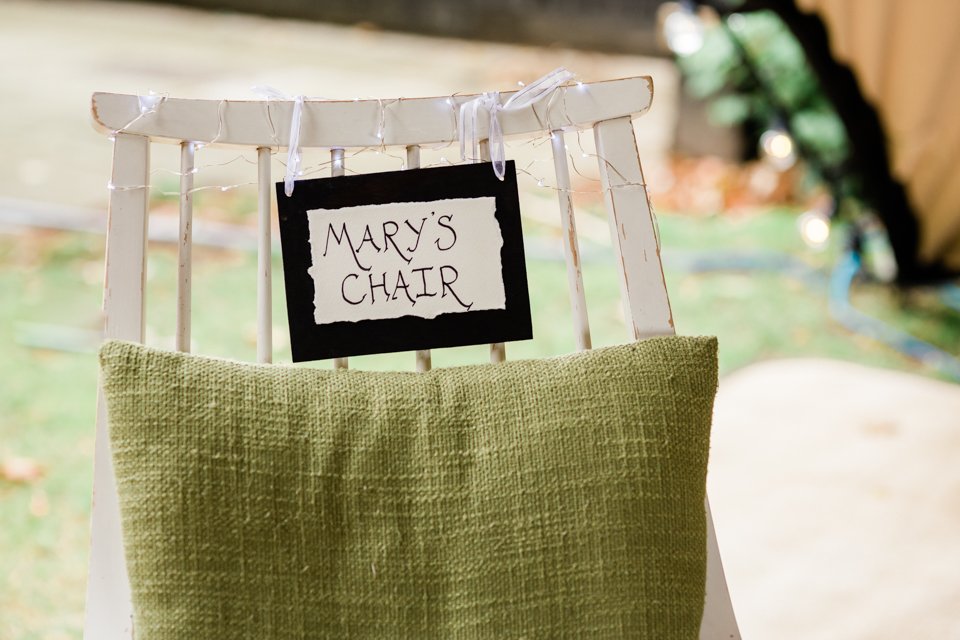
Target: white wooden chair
<point>606,107</point>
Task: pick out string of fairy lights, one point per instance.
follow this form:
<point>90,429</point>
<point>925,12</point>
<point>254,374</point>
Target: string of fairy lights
<point>151,103</point>
<point>317,169</point>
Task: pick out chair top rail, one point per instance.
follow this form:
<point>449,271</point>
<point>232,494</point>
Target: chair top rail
<point>361,123</point>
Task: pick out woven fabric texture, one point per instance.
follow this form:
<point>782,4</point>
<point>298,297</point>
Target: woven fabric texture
<point>558,498</point>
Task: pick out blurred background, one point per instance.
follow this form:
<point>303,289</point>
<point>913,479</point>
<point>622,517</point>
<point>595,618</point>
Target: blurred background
<point>802,159</point>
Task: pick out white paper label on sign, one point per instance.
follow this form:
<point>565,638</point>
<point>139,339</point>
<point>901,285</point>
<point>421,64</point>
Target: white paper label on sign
<point>423,259</point>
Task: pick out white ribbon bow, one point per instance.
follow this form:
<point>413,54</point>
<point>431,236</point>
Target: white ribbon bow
<point>293,145</point>
<point>490,102</point>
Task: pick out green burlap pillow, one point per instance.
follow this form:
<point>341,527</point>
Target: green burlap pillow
<point>558,498</point>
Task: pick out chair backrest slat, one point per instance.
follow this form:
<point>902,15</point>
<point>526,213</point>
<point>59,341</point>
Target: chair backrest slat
<point>185,246</point>
<point>264,258</point>
<point>109,610</point>
<point>356,123</point>
<point>571,248</point>
<point>126,269</point>
<point>632,231</point>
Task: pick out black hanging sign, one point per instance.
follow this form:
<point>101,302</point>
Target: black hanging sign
<point>403,260</point>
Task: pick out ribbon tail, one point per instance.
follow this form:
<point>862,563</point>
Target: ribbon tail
<point>472,134</point>
<point>293,148</point>
<point>476,133</point>
<point>497,150</point>
<point>468,130</point>
<point>293,169</point>
<point>462,128</point>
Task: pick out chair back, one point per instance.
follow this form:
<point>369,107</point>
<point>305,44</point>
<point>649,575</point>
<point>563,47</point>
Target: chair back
<point>135,122</point>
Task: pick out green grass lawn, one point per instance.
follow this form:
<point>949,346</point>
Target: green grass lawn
<point>50,288</point>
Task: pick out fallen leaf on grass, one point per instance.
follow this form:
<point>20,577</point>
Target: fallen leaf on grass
<point>20,470</point>
<point>39,504</point>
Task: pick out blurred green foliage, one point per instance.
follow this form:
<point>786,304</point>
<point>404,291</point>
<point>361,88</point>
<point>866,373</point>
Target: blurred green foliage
<point>755,74</point>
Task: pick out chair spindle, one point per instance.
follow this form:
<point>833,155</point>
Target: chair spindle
<point>498,350</point>
<point>337,171</point>
<point>424,361</point>
<point>264,259</point>
<point>185,246</point>
<point>571,247</point>
<point>633,234</point>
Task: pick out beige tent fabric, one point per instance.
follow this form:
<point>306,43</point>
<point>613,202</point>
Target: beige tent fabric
<point>904,55</point>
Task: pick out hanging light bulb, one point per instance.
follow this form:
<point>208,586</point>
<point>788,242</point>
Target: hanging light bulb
<point>683,30</point>
<point>778,148</point>
<point>814,228</point>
